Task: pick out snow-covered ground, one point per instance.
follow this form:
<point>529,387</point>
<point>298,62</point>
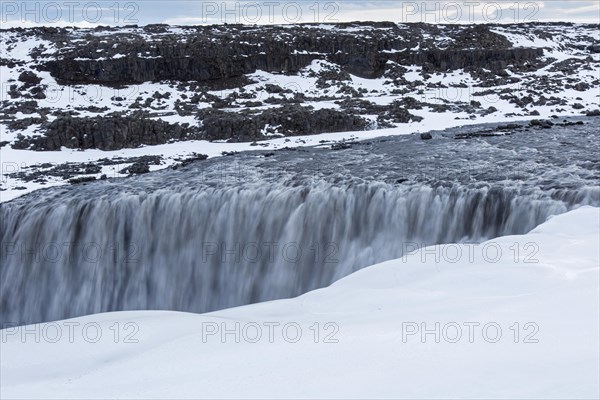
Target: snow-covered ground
<point>517,317</point>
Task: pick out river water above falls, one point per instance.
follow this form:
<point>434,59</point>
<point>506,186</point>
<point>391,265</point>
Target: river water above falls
<point>255,226</point>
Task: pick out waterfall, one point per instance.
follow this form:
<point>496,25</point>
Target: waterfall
<point>203,250</point>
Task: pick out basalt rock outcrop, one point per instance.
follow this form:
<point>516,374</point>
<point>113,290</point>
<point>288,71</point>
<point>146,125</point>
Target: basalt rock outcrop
<point>129,131</point>
<point>106,133</point>
<point>215,53</point>
<point>157,84</point>
<point>289,120</point>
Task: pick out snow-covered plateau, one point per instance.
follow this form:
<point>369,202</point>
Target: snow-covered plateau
<point>515,317</point>
<point>350,210</point>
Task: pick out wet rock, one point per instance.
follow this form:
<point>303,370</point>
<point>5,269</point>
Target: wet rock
<point>545,124</point>
<point>141,165</point>
<point>137,168</point>
<point>341,146</point>
<point>195,157</point>
<point>426,136</point>
<point>593,113</point>
<point>83,179</point>
<point>509,127</point>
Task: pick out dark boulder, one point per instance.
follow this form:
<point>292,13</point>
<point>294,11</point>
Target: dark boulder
<point>137,168</point>
<point>83,179</point>
<point>594,48</point>
<point>29,78</point>
<point>545,124</point>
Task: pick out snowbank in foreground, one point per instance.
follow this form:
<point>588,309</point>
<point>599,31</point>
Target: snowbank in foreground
<point>518,317</point>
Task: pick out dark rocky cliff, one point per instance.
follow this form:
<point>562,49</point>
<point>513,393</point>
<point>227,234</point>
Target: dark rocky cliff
<point>203,54</point>
<point>193,66</point>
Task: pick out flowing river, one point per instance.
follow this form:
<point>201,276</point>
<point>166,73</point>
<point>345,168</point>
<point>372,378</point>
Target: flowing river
<point>259,226</point>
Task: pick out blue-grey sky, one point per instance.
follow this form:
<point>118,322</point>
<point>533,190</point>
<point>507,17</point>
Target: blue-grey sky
<point>186,12</point>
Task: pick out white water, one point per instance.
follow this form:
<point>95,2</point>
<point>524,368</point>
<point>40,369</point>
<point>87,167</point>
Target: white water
<point>223,233</point>
<point>205,250</point>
